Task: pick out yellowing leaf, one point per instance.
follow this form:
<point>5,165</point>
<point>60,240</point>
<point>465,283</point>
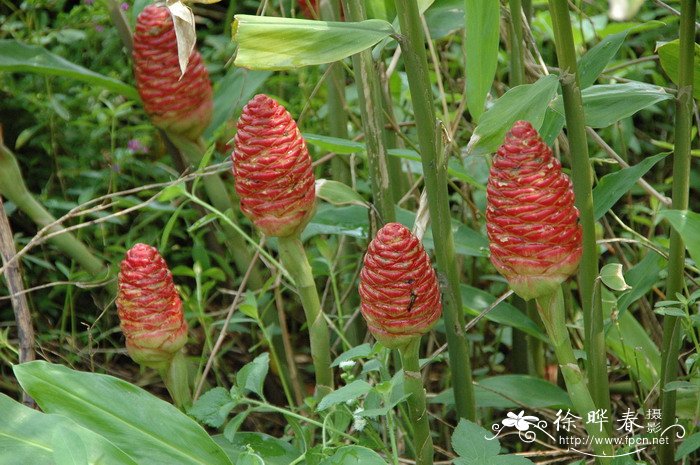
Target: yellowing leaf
<point>183,20</point>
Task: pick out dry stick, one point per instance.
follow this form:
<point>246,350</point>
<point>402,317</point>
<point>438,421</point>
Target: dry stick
<point>222,334</point>
<point>23,318</point>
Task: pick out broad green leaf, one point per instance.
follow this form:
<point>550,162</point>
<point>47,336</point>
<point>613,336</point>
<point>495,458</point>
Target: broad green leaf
<point>471,442</point>
<point>613,186</point>
<point>687,224</point>
<point>213,407</point>
<point>234,425</point>
<point>346,393</point>
<point>274,43</point>
<point>354,455</point>
<point>69,448</point>
<point>511,391</point>
<point>361,351</point>
<point>273,451</point>
<point>249,306</point>
<point>526,102</point>
<point>445,17</point>
<point>231,94</point>
<point>688,446</point>
<point>18,57</point>
<point>607,104</point>
<point>337,193</point>
<point>482,26</point>
<point>148,429</point>
<point>252,376</point>
<point>29,437</point>
<point>475,301</point>
<point>669,53</point>
<point>596,59</point>
<point>611,275</point>
<point>642,278</point>
<point>334,144</point>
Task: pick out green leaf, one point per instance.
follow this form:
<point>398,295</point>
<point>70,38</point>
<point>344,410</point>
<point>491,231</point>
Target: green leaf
<point>687,224</point>
<point>69,448</point>
<point>274,43</point>
<point>688,446</point>
<point>668,55</point>
<point>334,144</point>
<point>445,17</point>
<point>524,390</point>
<point>607,104</point>
<point>28,437</point>
<point>475,301</point>
<point>148,429</point>
<point>482,25</point>
<point>596,59</point>
<point>469,440</point>
<point>337,193</point>
<point>252,376</point>
<point>613,186</point>
<point>274,451</point>
<point>361,351</point>
<point>642,278</point>
<point>234,425</point>
<point>232,92</point>
<point>354,455</point>
<point>346,393</point>
<point>527,102</point>
<point>454,168</point>
<point>18,57</point>
<point>249,306</point>
<point>213,407</point>
<point>611,275</point>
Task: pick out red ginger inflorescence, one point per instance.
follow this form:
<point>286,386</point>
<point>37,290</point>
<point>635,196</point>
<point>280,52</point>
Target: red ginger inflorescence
<point>399,292</point>
<point>150,310</point>
<point>272,169</point>
<point>532,223</point>
<point>180,104</point>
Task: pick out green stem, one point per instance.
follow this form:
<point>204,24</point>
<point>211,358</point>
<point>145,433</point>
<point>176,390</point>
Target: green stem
<point>435,172</point>
<point>517,67</point>
<point>12,186</point>
<point>175,377</point>
<point>369,93</point>
<point>294,259</point>
<point>535,346</point>
<point>413,385</point>
<point>193,152</point>
<point>581,172</point>
<point>673,334</point>
<point>551,308</point>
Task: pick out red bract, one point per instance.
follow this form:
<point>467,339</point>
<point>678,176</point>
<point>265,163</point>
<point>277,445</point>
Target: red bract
<point>181,104</point>
<point>532,224</point>
<point>399,292</point>
<point>150,311</point>
<point>272,168</point>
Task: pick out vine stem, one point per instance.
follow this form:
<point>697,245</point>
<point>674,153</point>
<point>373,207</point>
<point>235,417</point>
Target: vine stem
<point>673,334</point>
<point>413,385</point>
<point>594,341</point>
<point>294,259</point>
<point>552,313</point>
<point>435,171</point>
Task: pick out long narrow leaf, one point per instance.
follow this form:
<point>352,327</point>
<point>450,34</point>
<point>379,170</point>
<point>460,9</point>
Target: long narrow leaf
<point>482,51</point>
<point>19,57</point>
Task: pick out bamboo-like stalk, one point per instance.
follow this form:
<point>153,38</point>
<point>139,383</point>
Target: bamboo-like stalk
<point>417,411</point>
<point>596,363</point>
<point>369,93</point>
<point>294,259</point>
<point>681,178</point>
<point>551,309</point>
<point>517,67</point>
<point>435,171</point>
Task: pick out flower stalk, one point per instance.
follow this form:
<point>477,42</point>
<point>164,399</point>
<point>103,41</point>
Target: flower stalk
<point>412,43</point>
<point>596,354</point>
<point>673,334</point>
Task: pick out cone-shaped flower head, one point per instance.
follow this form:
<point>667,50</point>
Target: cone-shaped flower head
<point>182,105</point>
<point>150,311</point>
<point>532,224</point>
<point>272,169</point>
<point>399,292</point>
